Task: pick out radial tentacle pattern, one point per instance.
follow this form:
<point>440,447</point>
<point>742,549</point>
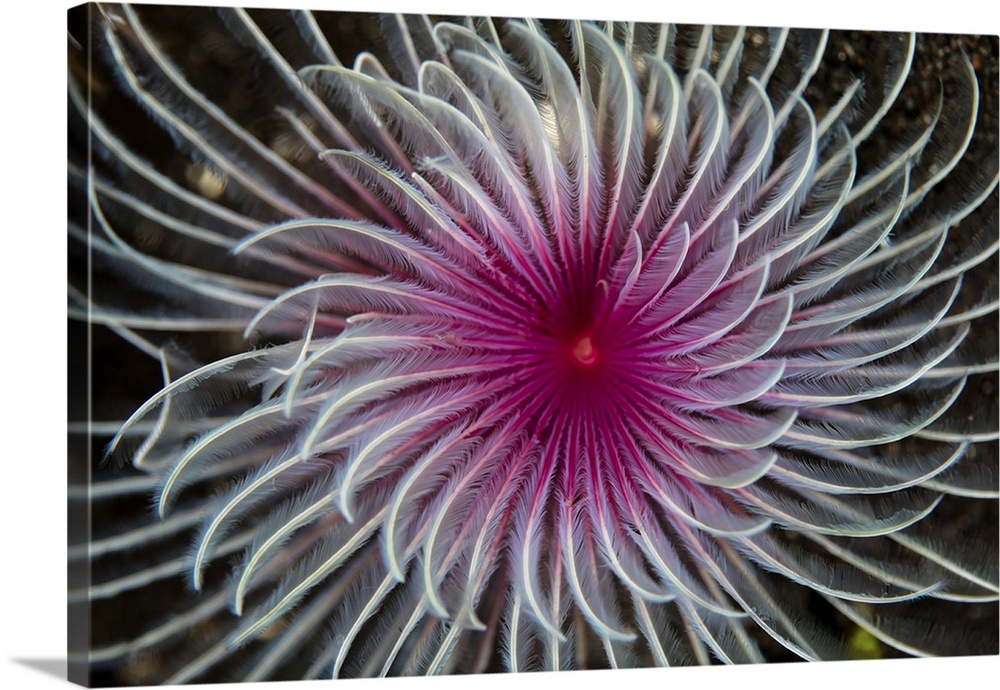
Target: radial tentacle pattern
<point>571,345</point>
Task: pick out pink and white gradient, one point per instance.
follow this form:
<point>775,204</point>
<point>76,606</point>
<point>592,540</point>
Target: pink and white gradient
<point>606,341</point>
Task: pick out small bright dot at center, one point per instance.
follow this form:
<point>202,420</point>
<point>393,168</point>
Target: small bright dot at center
<point>583,352</point>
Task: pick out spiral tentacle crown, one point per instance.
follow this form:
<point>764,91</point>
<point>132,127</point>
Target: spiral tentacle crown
<point>581,344</point>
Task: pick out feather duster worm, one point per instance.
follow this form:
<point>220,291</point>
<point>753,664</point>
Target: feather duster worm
<point>574,345</point>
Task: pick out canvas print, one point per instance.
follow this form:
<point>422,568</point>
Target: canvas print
<point>411,344</point>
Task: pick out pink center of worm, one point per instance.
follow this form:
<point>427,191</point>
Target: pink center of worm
<point>583,353</point>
